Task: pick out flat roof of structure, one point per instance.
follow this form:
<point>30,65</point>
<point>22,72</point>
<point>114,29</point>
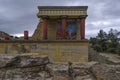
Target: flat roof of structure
<point>63,7</point>
<point>53,11</point>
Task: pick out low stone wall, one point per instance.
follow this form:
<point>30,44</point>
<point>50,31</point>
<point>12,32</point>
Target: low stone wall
<point>22,67</point>
<point>102,58</point>
<point>36,67</point>
<point>57,51</point>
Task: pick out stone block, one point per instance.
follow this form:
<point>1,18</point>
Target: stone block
<point>22,60</point>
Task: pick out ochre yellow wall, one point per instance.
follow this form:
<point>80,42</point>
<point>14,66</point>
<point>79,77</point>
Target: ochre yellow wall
<point>61,51</point>
<point>38,32</point>
<point>52,29</point>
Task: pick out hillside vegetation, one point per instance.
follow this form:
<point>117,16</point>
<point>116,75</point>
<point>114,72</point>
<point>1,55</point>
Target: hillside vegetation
<point>107,42</point>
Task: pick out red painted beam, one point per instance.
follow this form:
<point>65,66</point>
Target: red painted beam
<point>64,24</point>
<point>82,28</point>
<point>44,28</point>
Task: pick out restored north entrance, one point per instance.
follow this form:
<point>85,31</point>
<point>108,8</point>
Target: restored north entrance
<point>62,29</point>
<point>60,35</point>
<point>61,23</point>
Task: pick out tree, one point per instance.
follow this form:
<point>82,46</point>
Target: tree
<point>113,38</point>
<point>104,42</point>
<point>102,38</point>
<point>93,41</point>
<point>102,35</point>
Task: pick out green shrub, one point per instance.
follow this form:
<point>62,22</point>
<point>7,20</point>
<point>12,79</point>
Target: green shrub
<point>111,50</point>
<point>118,51</point>
<point>97,47</point>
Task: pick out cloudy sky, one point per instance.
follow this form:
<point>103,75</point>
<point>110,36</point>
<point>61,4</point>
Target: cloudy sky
<point>19,15</point>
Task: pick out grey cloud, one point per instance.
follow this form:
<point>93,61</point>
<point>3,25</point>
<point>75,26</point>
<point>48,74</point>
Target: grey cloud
<point>19,15</point>
<point>112,10</point>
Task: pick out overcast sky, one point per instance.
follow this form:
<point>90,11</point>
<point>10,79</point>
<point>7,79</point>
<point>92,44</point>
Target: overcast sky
<point>19,15</point>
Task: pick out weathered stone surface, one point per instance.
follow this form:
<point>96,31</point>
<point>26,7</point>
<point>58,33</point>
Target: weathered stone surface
<point>7,60</point>
<point>28,60</point>
<point>106,72</point>
<point>103,57</point>
<point>111,58</point>
<point>24,74</point>
<point>34,67</point>
<point>23,67</point>
<point>80,71</point>
<point>86,77</point>
<point>83,69</point>
<point>23,60</point>
<point>59,71</point>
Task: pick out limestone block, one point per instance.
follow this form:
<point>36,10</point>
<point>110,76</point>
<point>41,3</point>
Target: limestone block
<point>105,72</point>
<point>22,60</point>
<point>7,60</point>
<point>24,74</point>
<point>81,71</point>
<point>32,59</point>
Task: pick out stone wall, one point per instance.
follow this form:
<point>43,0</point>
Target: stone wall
<point>58,51</point>
<point>38,32</point>
<point>33,66</point>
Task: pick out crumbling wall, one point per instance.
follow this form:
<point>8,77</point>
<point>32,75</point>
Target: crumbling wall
<point>35,67</point>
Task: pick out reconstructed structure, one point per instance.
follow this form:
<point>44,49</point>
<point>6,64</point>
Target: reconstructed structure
<point>60,34</point>
<point>61,22</point>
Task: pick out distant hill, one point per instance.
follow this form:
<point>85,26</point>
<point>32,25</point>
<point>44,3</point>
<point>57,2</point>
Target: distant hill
<point>2,35</point>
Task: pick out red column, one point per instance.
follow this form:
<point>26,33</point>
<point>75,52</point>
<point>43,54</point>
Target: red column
<point>44,28</point>
<point>64,24</point>
<point>26,35</point>
<point>82,28</point>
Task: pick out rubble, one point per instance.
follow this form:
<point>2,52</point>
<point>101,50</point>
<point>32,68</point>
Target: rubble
<point>106,72</point>
<point>32,66</point>
<point>22,60</point>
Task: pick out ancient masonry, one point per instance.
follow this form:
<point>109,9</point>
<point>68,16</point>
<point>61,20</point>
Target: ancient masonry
<point>35,67</point>
<point>57,50</point>
<point>60,34</point>
<point>55,22</point>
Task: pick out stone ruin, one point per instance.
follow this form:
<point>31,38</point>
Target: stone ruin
<point>35,67</point>
<point>62,46</point>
